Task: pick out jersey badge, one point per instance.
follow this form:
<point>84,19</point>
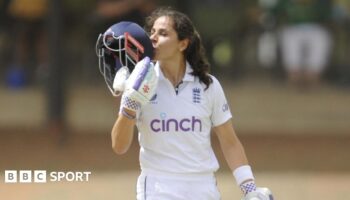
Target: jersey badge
<point>196,95</point>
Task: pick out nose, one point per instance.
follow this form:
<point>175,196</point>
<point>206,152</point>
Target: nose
<point>153,36</point>
<point>153,39</point>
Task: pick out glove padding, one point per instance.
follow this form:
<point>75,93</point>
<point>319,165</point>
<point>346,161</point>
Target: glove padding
<point>141,85</point>
<point>119,81</point>
<point>259,194</point>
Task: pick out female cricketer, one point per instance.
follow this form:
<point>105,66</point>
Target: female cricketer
<point>175,104</point>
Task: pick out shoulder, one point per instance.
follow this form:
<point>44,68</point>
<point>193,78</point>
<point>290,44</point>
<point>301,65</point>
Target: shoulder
<point>214,79</point>
<point>215,83</point>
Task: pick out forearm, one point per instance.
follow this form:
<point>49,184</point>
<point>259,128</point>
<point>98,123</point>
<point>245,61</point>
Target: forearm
<point>238,163</point>
<point>234,152</point>
<point>122,134</point>
<point>235,155</point>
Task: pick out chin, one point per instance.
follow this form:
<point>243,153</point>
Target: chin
<point>155,57</point>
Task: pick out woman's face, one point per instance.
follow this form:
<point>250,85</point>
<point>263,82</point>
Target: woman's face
<point>165,40</point>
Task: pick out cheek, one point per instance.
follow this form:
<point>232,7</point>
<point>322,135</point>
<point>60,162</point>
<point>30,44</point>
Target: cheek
<point>166,48</point>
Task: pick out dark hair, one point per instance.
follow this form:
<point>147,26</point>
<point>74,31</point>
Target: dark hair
<point>195,52</point>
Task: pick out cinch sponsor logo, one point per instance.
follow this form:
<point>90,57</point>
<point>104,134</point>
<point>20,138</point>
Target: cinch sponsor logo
<point>184,125</point>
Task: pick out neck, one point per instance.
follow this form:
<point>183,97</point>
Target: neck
<point>173,71</point>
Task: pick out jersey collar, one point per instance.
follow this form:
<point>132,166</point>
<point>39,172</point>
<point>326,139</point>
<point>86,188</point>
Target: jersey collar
<point>187,77</point>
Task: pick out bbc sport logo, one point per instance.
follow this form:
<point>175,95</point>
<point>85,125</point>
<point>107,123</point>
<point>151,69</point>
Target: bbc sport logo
<point>42,176</point>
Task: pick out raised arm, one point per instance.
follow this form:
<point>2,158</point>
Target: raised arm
<point>122,132</point>
<point>139,89</point>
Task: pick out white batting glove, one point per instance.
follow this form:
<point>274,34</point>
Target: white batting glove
<point>258,193</point>
<point>245,180</point>
<point>141,85</point>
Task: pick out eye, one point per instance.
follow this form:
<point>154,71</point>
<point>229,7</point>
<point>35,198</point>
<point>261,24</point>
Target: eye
<point>163,33</point>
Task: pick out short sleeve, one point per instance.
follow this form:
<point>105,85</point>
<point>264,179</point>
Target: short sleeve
<point>220,107</point>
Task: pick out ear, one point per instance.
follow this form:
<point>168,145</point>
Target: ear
<point>183,44</point>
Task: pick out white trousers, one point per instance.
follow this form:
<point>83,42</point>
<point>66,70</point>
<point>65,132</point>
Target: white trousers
<point>307,46</point>
<point>152,186</point>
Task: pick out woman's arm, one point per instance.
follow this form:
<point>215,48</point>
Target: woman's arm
<point>123,132</point>
<point>231,146</point>
<point>237,160</point>
<point>133,98</point>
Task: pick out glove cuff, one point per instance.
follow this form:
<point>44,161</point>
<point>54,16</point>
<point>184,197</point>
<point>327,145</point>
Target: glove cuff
<point>248,187</point>
<point>127,115</point>
<point>136,96</point>
<point>129,104</point>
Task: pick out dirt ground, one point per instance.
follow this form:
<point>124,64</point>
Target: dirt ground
<point>297,142</point>
<point>121,186</point>
<point>294,167</point>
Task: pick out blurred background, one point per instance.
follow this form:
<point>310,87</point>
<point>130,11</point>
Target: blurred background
<point>284,66</point>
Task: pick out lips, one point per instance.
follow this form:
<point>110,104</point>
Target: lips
<point>155,48</point>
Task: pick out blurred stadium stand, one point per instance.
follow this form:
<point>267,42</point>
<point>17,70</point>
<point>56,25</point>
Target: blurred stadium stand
<point>230,30</point>
<point>260,100</point>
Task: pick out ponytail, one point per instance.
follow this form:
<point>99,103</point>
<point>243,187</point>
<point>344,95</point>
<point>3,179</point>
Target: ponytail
<point>195,55</point>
